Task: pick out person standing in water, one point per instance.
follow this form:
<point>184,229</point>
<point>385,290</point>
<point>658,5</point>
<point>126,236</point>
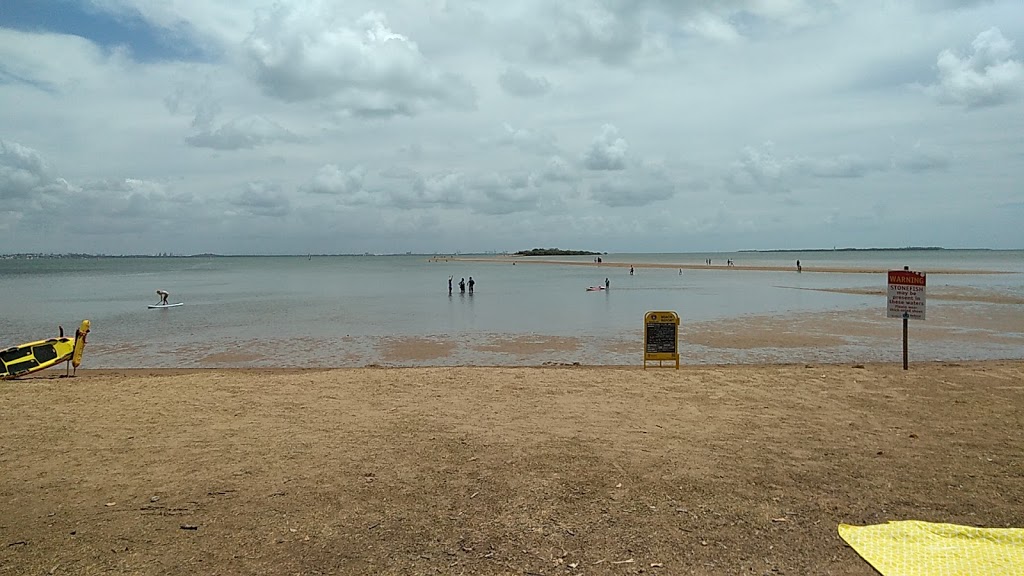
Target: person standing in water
<point>607,284</point>
<point>450,285</point>
<point>462,286</point>
<point>471,284</point>
<point>163,294</point>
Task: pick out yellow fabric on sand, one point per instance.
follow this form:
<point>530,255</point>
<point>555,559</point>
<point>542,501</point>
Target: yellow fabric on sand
<point>915,548</point>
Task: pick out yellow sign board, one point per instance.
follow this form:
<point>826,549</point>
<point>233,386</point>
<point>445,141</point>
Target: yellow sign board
<point>661,337</point>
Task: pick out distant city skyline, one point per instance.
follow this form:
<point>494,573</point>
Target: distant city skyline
<point>283,127</point>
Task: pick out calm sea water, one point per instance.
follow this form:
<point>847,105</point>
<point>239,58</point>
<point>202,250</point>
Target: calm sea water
<point>324,304</point>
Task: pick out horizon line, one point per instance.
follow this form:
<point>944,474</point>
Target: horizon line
<point>486,252</point>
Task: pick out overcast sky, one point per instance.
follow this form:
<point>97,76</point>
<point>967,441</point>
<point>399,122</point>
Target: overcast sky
<point>247,126</point>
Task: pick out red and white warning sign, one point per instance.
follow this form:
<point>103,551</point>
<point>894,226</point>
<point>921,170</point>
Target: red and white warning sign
<point>906,294</point>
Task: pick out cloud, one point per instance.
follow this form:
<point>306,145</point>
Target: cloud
<point>196,99</point>
<point>260,198</point>
<point>308,51</point>
<point>610,32</point>
<point>441,190</point>
<point>492,193</point>
<point>557,170</point>
<point>50,62</point>
<point>495,193</point>
<point>923,158</point>
<point>348,187</point>
<point>640,185</point>
<point>619,33</point>
<point>116,206</point>
<point>526,140</point>
<point>26,182</point>
<point>632,192</point>
<point>519,83</point>
<point>938,5</point>
<point>761,169</point>
<point>988,76</point>
<point>607,151</point>
<point>843,166</point>
<point>245,132</point>
<point>713,27</point>
<point>758,170</point>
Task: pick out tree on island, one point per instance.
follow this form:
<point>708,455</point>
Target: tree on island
<point>555,252</point>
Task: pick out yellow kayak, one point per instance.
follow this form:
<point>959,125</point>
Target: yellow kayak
<point>34,356</point>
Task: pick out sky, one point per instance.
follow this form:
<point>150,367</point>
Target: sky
<point>443,126</point>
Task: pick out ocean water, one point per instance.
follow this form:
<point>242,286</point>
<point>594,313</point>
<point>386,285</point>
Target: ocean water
<point>321,310</point>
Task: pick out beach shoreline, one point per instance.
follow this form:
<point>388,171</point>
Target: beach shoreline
<point>497,470</point>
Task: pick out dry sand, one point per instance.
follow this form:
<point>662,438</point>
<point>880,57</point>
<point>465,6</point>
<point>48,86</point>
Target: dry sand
<point>526,471</point>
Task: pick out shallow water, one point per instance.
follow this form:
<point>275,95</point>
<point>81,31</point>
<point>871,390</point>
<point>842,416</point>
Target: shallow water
<point>337,310</point>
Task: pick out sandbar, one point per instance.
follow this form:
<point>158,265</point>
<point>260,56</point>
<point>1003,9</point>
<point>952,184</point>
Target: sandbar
<point>691,266</point>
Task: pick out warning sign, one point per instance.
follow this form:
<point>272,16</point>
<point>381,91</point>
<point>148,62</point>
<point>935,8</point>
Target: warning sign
<point>906,294</point>
<point>661,337</point>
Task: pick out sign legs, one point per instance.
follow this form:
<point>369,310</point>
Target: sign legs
<point>905,340</point>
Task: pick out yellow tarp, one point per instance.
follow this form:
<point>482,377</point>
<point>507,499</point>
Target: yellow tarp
<point>915,548</point>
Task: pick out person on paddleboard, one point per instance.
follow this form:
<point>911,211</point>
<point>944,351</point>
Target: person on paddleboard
<point>163,294</point>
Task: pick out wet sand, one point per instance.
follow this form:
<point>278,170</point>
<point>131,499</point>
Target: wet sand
<point>962,324</point>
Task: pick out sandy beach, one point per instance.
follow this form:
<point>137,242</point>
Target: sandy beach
<point>568,470</point>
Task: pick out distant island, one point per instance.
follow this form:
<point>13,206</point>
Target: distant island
<point>856,249</point>
<point>555,252</point>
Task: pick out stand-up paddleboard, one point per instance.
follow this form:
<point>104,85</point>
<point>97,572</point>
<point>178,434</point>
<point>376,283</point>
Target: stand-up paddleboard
<point>80,334</point>
<point>34,356</point>
<point>594,288</point>
<point>167,305</point>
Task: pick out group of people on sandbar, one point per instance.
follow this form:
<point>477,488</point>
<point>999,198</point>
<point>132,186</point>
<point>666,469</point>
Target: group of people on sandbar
<point>462,285</point>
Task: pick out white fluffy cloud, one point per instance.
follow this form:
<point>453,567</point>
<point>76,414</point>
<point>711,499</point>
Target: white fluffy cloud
<point>608,150</point>
<point>988,76</point>
<point>312,51</point>
<point>26,182</point>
